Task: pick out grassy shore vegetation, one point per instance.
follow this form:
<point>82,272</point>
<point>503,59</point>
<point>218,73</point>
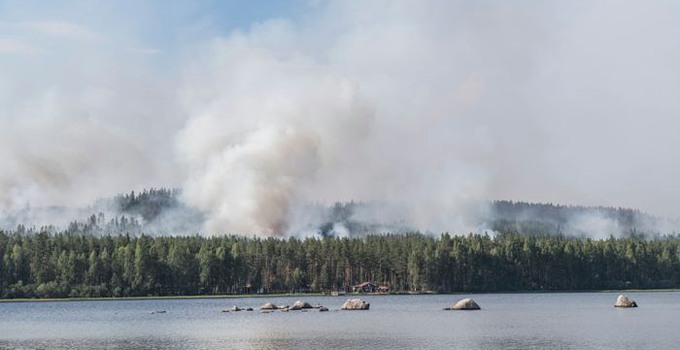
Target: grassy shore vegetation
<point>66,265</point>
<point>165,297</point>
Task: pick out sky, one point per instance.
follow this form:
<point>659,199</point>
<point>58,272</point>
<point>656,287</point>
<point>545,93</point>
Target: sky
<point>256,108</point>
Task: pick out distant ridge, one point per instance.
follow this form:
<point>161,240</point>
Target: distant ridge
<point>160,211</point>
<point>554,219</point>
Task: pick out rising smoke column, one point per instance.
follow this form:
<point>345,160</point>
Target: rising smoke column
<point>273,124</point>
<point>261,132</point>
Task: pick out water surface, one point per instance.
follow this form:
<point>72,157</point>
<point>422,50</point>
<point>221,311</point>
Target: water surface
<point>506,321</point>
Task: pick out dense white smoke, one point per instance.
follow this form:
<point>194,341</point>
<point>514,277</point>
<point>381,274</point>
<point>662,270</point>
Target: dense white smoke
<point>270,125</point>
<point>46,159</point>
<point>82,118</point>
<point>273,127</point>
<point>431,107</point>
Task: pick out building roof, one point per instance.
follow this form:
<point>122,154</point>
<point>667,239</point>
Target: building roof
<point>364,284</point>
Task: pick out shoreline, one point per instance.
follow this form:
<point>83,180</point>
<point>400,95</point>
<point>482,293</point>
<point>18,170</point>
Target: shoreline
<point>290,295</point>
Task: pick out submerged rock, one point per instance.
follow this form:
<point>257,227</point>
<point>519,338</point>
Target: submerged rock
<point>299,305</point>
<point>624,301</point>
<point>268,306</point>
<point>249,309</point>
<point>323,309</point>
<point>355,304</point>
<point>465,304</point>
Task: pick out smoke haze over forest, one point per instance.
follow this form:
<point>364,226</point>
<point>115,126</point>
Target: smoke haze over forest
<point>261,112</point>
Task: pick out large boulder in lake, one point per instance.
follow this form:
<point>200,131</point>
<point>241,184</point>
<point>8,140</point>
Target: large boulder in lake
<point>299,305</point>
<point>355,304</point>
<point>624,301</point>
<point>268,306</point>
<point>465,304</point>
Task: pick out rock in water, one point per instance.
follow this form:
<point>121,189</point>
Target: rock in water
<point>268,306</point>
<point>624,301</point>
<point>466,304</point>
<point>236,308</point>
<point>355,304</point>
<point>299,305</point>
<point>323,309</point>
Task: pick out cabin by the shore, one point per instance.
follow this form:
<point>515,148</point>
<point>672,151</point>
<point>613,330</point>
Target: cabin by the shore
<point>366,287</point>
<point>370,287</point>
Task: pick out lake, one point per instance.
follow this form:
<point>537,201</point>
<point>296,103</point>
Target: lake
<point>507,321</point>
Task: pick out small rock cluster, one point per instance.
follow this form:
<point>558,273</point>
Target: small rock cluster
<point>235,308</point>
<point>350,304</point>
<point>297,306</point>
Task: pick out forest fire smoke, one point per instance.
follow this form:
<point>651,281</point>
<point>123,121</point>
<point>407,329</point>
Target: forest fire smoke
<point>432,108</point>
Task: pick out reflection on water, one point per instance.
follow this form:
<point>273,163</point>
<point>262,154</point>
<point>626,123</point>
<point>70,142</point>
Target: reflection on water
<point>508,321</point>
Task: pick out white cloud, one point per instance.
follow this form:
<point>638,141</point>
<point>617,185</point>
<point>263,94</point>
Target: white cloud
<point>52,28</point>
<point>147,51</point>
<point>18,47</point>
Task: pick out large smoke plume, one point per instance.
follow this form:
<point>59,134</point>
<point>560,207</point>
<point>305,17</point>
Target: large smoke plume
<point>281,126</point>
<point>431,108</point>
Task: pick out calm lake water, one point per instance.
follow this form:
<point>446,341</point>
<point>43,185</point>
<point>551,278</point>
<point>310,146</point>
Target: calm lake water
<point>506,321</point>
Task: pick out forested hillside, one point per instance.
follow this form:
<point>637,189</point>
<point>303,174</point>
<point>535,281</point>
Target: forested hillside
<point>529,247</point>
<point>73,265</point>
<point>551,219</point>
<point>160,211</point>
<point>151,211</point>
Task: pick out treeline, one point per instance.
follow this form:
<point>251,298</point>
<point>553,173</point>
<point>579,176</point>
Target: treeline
<point>85,265</point>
